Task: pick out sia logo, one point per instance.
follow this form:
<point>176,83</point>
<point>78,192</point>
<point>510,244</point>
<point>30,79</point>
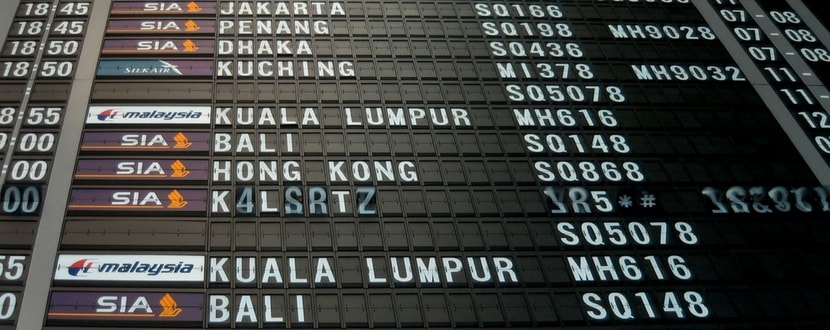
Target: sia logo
<point>117,305</point>
<point>138,169</point>
<point>179,170</point>
<point>190,46</point>
<point>137,141</point>
<point>193,7</point>
<point>191,26</point>
<point>169,307</point>
<point>176,200</point>
<point>181,141</point>
<point>141,199</point>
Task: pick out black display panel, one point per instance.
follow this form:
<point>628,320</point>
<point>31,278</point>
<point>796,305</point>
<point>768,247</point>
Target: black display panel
<point>431,164</point>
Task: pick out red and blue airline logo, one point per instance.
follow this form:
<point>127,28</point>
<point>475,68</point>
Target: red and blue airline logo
<point>80,266</point>
<point>188,114</point>
<point>109,113</point>
<point>106,267</point>
<point>149,113</point>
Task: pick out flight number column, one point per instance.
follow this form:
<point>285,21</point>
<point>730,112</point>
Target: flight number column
<point>552,87</point>
<point>37,65</point>
<point>567,116</point>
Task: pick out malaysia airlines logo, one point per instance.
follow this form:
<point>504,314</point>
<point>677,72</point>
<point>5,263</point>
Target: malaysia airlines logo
<point>114,114</point>
<point>79,267</point>
<point>87,266</point>
<point>149,115</point>
<point>130,268</point>
<point>109,113</point>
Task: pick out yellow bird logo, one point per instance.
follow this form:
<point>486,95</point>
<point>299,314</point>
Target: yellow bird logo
<point>169,306</point>
<point>191,26</point>
<point>179,169</point>
<point>193,7</point>
<point>182,142</point>
<point>176,200</point>
<point>189,46</point>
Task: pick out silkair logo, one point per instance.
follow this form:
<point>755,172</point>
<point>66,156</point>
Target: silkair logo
<point>155,68</point>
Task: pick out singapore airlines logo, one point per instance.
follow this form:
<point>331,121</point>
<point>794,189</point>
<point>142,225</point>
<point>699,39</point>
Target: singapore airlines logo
<point>118,305</point>
<point>169,307</point>
<point>191,26</point>
<point>176,200</point>
<point>193,7</point>
<point>189,46</point>
<point>141,169</point>
<point>179,169</point>
<point>142,199</point>
<point>182,142</point>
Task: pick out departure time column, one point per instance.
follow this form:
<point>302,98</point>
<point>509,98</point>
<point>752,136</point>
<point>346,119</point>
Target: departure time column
<point>38,60</point>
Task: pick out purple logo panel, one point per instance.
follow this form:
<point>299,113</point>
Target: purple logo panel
<point>126,306</point>
<point>126,199</point>
<point>163,7</point>
<point>146,141</point>
<point>178,26</point>
<point>142,169</point>
<point>158,46</point>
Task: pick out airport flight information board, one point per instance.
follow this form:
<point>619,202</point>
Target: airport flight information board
<point>414,164</point>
